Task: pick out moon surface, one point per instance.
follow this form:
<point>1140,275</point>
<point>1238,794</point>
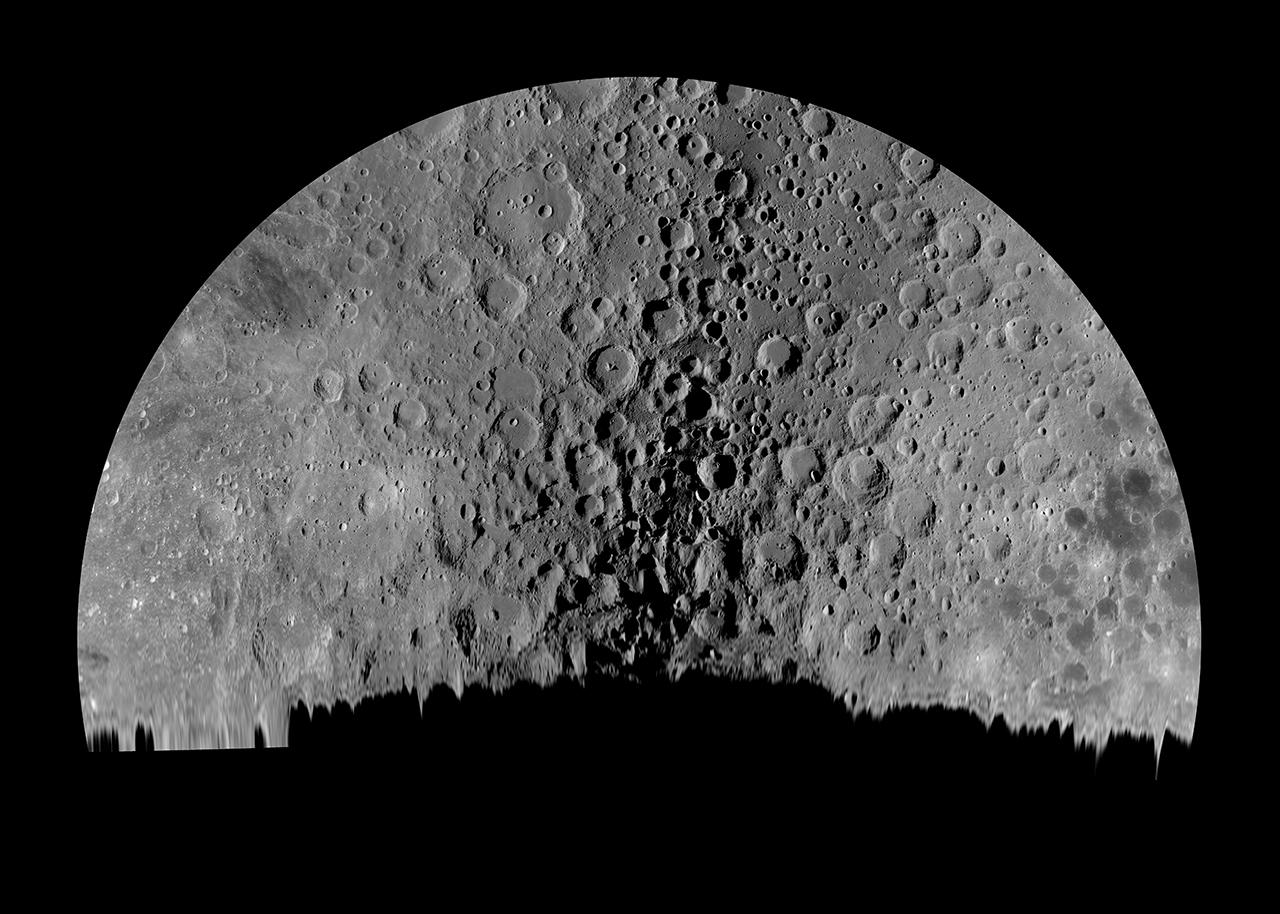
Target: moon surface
<point>634,377</point>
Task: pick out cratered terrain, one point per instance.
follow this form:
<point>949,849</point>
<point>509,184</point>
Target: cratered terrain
<point>635,377</point>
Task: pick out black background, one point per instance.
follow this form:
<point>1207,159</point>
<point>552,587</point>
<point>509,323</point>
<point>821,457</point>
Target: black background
<point>182,149</point>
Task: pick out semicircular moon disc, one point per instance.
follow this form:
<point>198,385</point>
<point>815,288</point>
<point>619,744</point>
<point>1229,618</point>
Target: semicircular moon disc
<point>638,374</point>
